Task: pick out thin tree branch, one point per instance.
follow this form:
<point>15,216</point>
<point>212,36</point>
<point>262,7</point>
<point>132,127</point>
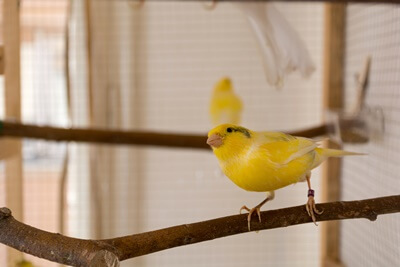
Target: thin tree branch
<point>141,138</point>
<point>79,252</point>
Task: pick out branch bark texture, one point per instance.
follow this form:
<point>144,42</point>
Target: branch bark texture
<point>79,252</point>
<point>141,138</point>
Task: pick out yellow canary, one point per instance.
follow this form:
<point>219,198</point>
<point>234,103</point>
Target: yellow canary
<point>266,161</point>
<point>225,106</point>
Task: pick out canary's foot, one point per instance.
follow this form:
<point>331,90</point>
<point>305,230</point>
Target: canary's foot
<point>251,211</point>
<point>311,208</point>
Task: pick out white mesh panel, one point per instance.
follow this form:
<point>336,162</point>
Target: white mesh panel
<point>374,30</point>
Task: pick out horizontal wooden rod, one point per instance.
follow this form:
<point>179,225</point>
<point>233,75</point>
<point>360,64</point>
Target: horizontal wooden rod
<point>114,137</point>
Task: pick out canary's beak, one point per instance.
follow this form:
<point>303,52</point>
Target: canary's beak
<point>214,140</point>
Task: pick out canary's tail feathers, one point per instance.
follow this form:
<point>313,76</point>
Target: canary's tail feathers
<point>327,152</point>
<point>324,153</point>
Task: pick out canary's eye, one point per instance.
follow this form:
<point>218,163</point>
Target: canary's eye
<point>229,130</point>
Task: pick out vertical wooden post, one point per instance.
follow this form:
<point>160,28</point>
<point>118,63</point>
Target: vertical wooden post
<point>335,15</point>
<point>96,200</point>
<point>64,173</point>
<point>88,21</point>
<point>1,60</point>
<point>12,85</point>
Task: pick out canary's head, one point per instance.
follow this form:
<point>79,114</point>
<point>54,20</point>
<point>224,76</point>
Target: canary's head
<point>229,140</point>
<point>223,85</point>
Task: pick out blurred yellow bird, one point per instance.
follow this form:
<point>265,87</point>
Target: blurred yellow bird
<point>266,161</point>
<point>225,106</point>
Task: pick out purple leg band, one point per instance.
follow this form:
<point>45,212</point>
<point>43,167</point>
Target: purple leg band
<point>310,193</point>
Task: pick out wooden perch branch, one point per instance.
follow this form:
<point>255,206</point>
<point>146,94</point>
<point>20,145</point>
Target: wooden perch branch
<point>79,252</point>
<point>142,138</point>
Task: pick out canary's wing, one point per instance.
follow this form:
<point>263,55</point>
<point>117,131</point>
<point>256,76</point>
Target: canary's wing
<point>283,148</point>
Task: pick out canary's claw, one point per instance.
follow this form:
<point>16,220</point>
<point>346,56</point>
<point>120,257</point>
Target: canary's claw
<point>251,211</point>
<point>244,208</point>
<point>312,209</point>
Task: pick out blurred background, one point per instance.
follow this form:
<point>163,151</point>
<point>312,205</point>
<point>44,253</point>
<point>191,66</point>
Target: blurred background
<point>153,67</point>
